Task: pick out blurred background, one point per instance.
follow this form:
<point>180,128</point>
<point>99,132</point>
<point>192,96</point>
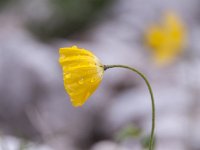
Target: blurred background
<point>160,38</point>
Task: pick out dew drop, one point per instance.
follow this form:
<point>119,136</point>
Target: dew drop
<point>68,75</point>
<point>75,47</point>
<point>62,57</point>
<point>81,81</point>
<point>91,64</point>
<point>77,104</point>
<point>93,80</point>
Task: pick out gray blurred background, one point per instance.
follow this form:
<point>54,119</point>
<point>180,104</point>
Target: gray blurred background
<point>35,112</point>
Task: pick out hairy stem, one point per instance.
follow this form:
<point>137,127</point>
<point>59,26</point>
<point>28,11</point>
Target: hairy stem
<point>151,94</point>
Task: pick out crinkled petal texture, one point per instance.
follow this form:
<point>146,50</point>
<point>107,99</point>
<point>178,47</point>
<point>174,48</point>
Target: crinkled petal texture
<point>82,73</point>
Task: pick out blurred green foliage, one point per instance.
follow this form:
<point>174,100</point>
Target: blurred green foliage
<point>2,3</point>
<point>131,131</point>
<point>67,17</point>
<point>145,142</point>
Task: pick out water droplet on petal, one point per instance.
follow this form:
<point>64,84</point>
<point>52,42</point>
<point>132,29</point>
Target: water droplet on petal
<point>68,75</point>
<point>62,57</point>
<point>78,104</point>
<point>74,47</point>
<point>91,64</point>
<point>93,80</point>
<point>81,81</point>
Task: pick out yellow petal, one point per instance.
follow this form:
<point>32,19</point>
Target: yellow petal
<point>82,73</point>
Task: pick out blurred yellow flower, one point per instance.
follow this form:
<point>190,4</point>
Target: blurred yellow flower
<point>167,39</point>
<point>82,73</point>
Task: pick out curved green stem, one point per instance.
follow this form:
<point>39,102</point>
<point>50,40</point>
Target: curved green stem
<point>151,93</point>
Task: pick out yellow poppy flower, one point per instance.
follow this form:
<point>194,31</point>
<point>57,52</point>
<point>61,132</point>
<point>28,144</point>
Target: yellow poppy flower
<point>167,39</point>
<point>82,73</point>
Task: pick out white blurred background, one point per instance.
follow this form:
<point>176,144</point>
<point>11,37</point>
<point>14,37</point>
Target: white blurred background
<point>35,111</point>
